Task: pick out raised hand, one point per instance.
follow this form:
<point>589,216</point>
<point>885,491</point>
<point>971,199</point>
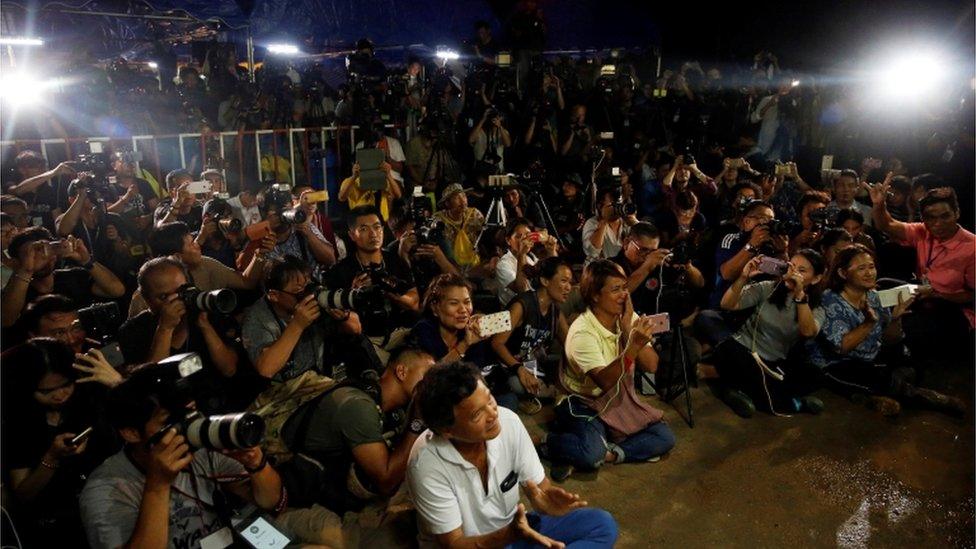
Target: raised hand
<point>96,369</point>
<point>879,191</point>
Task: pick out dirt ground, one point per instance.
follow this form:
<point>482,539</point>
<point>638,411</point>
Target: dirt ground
<point>846,478</point>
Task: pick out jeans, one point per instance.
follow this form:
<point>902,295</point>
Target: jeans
<point>580,439</point>
<point>581,529</point>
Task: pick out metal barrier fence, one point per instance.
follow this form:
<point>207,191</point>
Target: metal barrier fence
<point>317,157</point>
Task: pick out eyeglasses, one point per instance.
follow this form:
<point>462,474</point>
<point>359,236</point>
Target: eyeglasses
<point>642,251</point>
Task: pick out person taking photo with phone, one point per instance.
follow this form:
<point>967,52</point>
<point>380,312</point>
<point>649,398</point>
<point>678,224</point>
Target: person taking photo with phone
<point>602,420</point>
<point>753,362</point>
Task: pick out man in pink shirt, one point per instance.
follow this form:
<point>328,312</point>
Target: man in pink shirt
<point>946,266</point>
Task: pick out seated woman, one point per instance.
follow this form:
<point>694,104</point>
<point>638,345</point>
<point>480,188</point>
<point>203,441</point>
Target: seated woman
<point>787,310</point>
<point>449,332</point>
<point>45,406</point>
<point>859,348</point>
<point>602,420</point>
<point>536,321</point>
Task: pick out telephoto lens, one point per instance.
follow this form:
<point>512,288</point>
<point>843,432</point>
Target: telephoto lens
<point>216,301</point>
<point>294,216</point>
<point>228,432</point>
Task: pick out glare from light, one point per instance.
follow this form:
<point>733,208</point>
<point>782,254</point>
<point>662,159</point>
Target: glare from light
<point>20,89</point>
<point>448,55</point>
<point>283,49</point>
<point>20,41</point>
<point>915,75</point>
<point>153,65</point>
<point>795,83</point>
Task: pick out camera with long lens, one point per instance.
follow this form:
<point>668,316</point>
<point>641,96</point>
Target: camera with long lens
<point>427,229</point>
<point>621,206</point>
<point>221,213</point>
<point>279,197</point>
<point>681,254</point>
<point>368,298</point>
<point>221,301</point>
<point>382,278</point>
<point>178,381</point>
<point>101,321</point>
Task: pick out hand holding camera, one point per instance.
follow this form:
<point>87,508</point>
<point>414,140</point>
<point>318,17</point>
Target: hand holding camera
<point>760,235</point>
<point>172,312</point>
<point>167,458</point>
<point>96,369</point>
<point>307,312</point>
<point>656,258</point>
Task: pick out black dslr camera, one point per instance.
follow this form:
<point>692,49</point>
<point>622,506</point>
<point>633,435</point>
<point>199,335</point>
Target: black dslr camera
<point>427,229</point>
<point>101,321</point>
<point>221,213</point>
<point>782,227</point>
<point>280,198</point>
<point>177,382</point>
<point>385,280</point>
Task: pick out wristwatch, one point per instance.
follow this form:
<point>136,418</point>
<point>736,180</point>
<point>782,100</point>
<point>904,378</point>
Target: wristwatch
<point>750,248</point>
<point>806,299</point>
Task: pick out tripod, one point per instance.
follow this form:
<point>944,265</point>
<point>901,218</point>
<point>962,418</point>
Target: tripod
<point>670,388</point>
<point>496,216</point>
<point>533,198</point>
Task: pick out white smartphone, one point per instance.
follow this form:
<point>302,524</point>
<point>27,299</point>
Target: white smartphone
<point>495,323</point>
<point>261,534</point>
<point>660,323</point>
<point>199,187</point>
<point>889,297</point>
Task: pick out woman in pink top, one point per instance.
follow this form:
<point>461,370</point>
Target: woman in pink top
<point>942,319</point>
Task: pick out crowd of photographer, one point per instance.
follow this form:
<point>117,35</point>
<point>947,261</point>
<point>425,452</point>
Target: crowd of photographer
<point>186,367</point>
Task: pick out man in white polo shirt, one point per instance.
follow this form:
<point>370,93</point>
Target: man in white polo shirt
<point>464,474</point>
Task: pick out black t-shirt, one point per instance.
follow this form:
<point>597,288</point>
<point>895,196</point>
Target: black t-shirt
<point>647,297</point>
<point>382,320</point>
<point>136,336</point>
<point>531,340</point>
<point>193,219</point>
<point>139,205</point>
<point>40,203</point>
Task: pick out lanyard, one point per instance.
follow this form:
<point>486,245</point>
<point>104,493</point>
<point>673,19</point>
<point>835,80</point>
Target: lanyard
<point>932,256</point>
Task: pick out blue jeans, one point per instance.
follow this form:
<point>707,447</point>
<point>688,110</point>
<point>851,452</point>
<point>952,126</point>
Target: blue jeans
<point>581,529</point>
<point>580,439</point>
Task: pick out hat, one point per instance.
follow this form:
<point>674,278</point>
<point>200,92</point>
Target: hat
<point>450,191</point>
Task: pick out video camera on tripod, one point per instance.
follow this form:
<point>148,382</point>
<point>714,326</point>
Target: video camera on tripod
<point>427,228</point>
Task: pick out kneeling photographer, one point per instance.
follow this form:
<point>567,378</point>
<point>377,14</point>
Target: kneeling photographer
<point>282,332</point>
<point>384,321</point>
<point>663,281</point>
<point>178,319</point>
<point>419,241</point>
<point>175,484</point>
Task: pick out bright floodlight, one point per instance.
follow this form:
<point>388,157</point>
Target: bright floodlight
<point>20,41</point>
<point>20,89</point>
<point>448,55</point>
<point>153,65</point>
<point>913,75</point>
<point>283,49</point>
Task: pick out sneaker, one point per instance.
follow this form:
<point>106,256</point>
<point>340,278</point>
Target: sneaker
<point>560,472</point>
<point>740,403</point>
<point>810,405</point>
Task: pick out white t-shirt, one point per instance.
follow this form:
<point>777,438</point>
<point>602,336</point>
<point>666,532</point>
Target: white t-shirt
<point>111,499</point>
<point>396,153</point>
<point>613,242</point>
<point>447,490</point>
<point>505,273</point>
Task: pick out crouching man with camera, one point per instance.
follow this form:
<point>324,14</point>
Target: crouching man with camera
<point>167,328</point>
<point>160,490</point>
<point>466,471</point>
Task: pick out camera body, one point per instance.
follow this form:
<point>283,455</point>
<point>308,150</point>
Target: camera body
<point>824,218</point>
<point>782,227</point>
<point>382,278</point>
<point>101,321</point>
<point>279,197</point>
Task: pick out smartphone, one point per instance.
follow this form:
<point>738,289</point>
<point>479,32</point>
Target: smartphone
<point>660,323</point>
<point>535,236</point>
<point>773,266</point>
<point>316,197</point>
<point>606,135</point>
<point>113,354</point>
<point>615,171</point>
<point>738,162</point>
<point>259,533</point>
<point>499,180</point>
<point>495,323</point>
<point>59,247</point>
<point>81,437</point>
<point>199,187</point>
<point>258,231</point>
<point>782,169</point>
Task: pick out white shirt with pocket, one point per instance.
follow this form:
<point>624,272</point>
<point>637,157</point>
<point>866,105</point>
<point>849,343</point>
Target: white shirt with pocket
<point>447,490</point>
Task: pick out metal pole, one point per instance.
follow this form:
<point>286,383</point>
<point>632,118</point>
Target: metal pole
<point>128,15</point>
<point>250,55</point>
